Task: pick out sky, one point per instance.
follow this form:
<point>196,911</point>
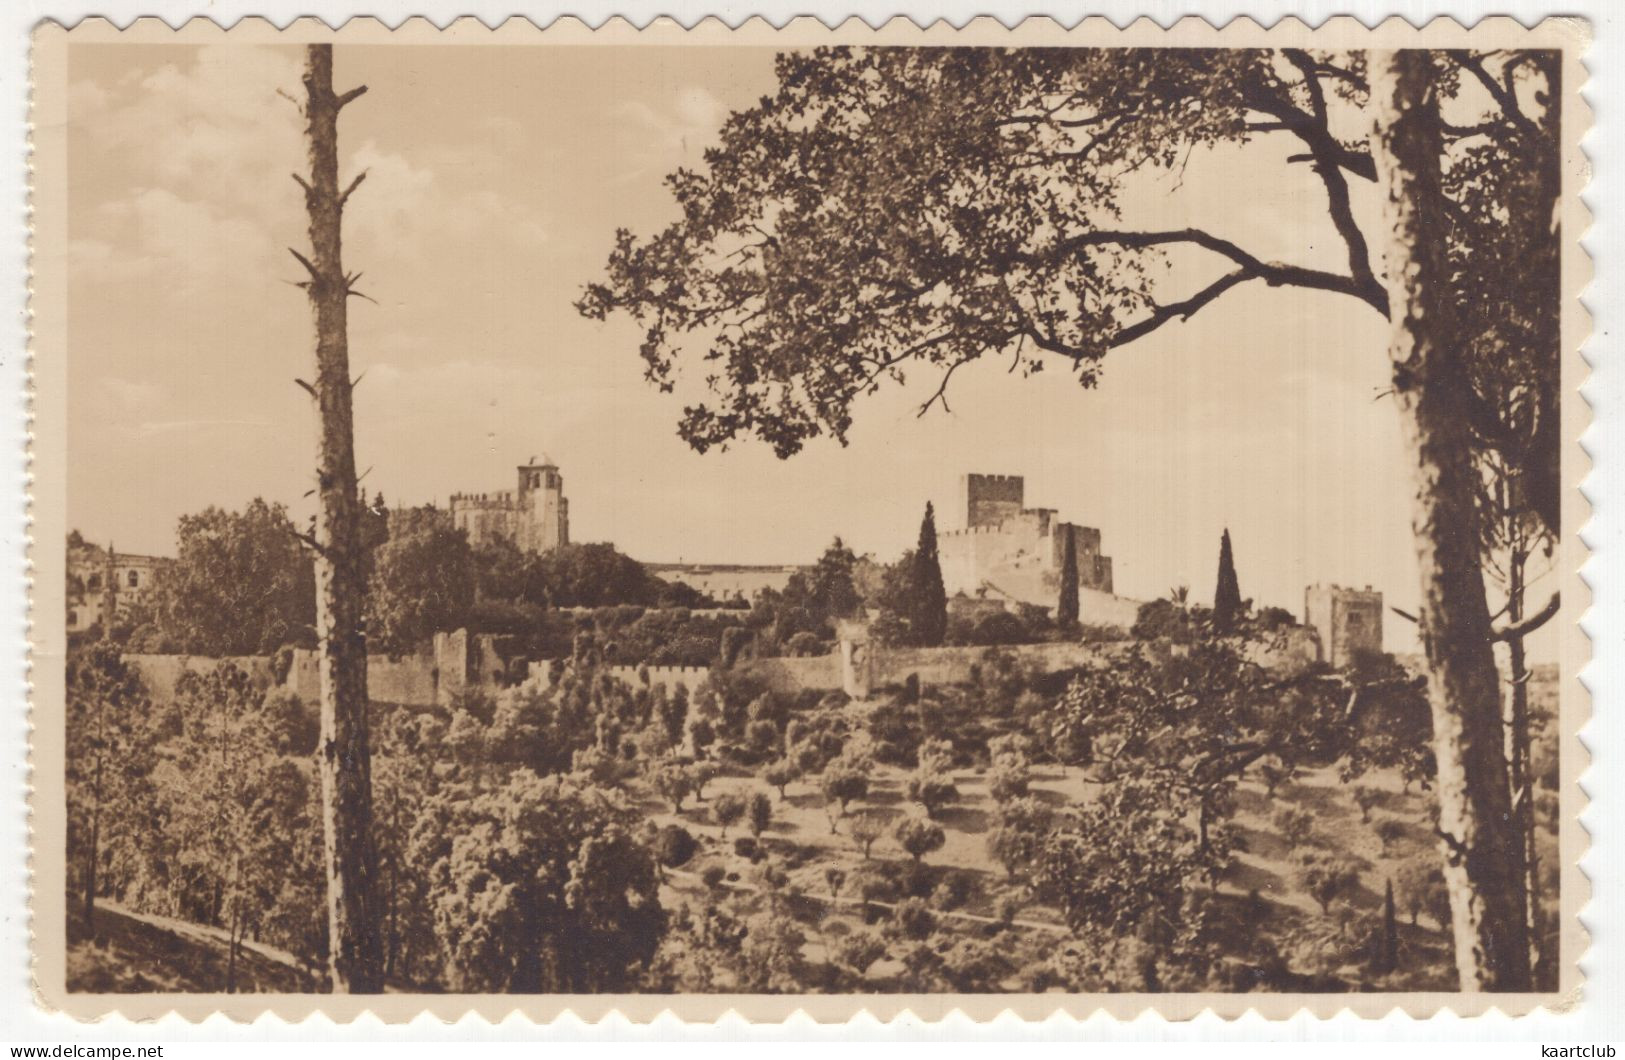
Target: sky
<point>497,177</point>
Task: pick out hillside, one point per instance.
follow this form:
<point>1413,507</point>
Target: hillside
<point>139,953</point>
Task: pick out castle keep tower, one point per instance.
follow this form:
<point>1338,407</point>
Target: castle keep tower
<point>535,516</point>
<point>1014,552</point>
<point>1348,621</point>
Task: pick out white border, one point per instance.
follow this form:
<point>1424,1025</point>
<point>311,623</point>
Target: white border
<point>1601,1017</point>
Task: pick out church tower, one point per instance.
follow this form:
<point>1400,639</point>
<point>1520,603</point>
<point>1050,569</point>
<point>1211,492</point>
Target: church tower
<point>544,513</point>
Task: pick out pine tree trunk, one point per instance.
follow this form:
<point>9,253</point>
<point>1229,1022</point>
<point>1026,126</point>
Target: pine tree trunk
<point>345,760</point>
<point>1483,856</point>
<point>1517,737</point>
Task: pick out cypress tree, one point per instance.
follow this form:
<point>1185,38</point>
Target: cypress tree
<point>1227,596</point>
<point>1390,931</point>
<point>928,620</point>
<point>1066,611</point>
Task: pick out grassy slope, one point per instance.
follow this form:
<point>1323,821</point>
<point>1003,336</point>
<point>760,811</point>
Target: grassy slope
<point>137,953</point>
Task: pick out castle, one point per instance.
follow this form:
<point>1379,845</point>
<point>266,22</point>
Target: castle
<point>1011,551</point>
<point>535,517</point>
<point>1347,621</point>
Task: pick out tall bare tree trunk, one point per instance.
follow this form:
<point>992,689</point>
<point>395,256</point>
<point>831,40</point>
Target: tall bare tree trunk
<point>1517,750</point>
<point>345,759</point>
<point>1483,854</point>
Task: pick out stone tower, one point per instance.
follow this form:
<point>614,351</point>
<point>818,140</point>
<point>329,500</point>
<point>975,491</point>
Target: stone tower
<point>544,514</point>
<point>1348,621</point>
<point>991,499</point>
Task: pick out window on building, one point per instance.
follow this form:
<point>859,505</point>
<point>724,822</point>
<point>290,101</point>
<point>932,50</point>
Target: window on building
<point>135,580</point>
<point>73,617</point>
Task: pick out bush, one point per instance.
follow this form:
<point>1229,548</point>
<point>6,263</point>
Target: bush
<point>858,951</point>
<point>806,644</point>
<point>295,728</point>
<point>955,890</point>
<point>919,836</point>
<point>913,919</point>
<point>675,846</point>
<point>713,876</point>
<point>1389,832</point>
<point>745,847</point>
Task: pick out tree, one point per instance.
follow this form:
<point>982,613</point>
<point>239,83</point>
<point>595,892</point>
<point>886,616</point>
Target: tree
<point>345,759</point>
<point>845,779</point>
<point>1484,858</point>
<point>544,889</point>
<point>674,783</point>
<point>931,784</point>
<point>1390,931</point>
<point>781,774</point>
<point>891,209</point>
<point>240,583</point>
<point>928,613</point>
<point>759,813</point>
<point>422,583</point>
<point>865,829</point>
<point>1066,608</point>
<point>106,758</point>
<point>1327,877</point>
<point>1227,594</point>
<point>919,836</point>
<point>727,810</point>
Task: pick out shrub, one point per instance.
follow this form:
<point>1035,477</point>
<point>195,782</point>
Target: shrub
<point>675,846</point>
<point>762,737</point>
<point>1008,909</point>
<point>713,876</point>
<point>954,891</point>
<point>1389,831</point>
<point>1296,826</point>
<point>913,919</point>
<point>295,728</point>
<point>804,644</point>
<point>745,847</point>
<point>858,951</point>
<point>919,836</point>
<point>1010,778</point>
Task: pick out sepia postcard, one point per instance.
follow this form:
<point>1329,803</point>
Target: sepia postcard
<point>807,519</point>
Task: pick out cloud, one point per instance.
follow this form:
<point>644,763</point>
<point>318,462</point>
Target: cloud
<point>196,160</point>
<point>406,209</point>
<point>672,135</point>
